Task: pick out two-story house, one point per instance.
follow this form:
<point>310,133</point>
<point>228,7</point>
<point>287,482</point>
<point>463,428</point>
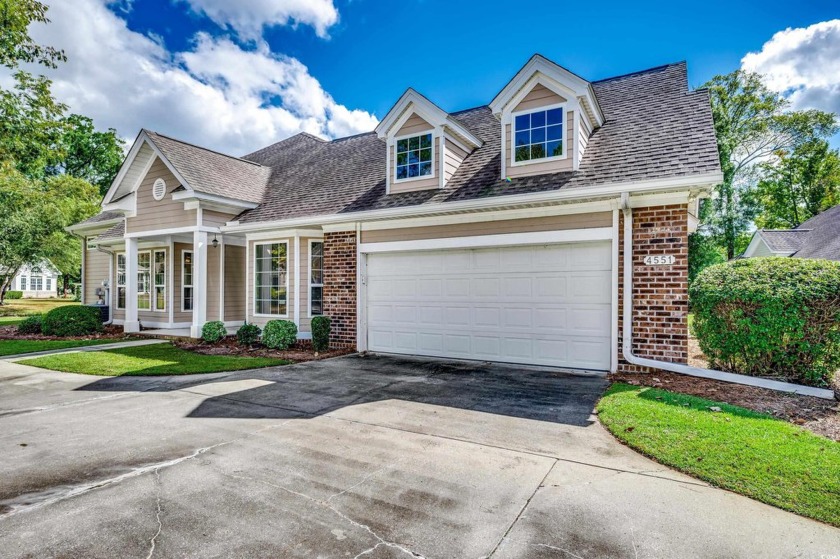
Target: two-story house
<point>496,233</point>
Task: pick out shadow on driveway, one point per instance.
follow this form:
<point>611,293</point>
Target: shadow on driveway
<point>320,387</point>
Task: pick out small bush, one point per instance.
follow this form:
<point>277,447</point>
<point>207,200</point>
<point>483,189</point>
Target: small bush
<point>770,317</point>
<point>279,334</point>
<point>72,321</point>
<point>31,325</point>
<point>321,333</point>
<point>14,295</point>
<point>248,334</point>
<point>213,331</point>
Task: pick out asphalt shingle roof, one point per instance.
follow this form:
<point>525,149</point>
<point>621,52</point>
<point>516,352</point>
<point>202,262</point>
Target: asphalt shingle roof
<point>655,128</point>
<point>99,218</point>
<point>115,232</point>
<point>823,240</point>
<point>784,240</point>
<point>212,172</point>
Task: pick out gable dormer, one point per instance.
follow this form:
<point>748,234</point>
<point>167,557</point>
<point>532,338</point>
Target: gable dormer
<point>547,115</point>
<point>425,145</point>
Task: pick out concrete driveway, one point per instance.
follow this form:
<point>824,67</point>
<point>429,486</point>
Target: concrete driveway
<point>354,457</point>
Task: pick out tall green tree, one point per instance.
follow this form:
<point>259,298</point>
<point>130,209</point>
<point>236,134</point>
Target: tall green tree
<point>751,126</point>
<point>89,154</point>
<point>801,184</point>
<point>16,45</point>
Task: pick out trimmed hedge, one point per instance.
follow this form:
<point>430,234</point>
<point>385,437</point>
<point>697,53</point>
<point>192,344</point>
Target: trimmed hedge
<point>770,317</point>
<point>213,331</point>
<point>14,295</point>
<point>279,334</point>
<point>321,326</point>
<point>248,334</point>
<point>72,321</point>
<point>31,325</point>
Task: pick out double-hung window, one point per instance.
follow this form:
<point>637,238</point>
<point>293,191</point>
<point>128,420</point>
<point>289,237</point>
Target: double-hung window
<point>36,283</point>
<point>49,284</point>
<point>538,135</point>
<point>144,281</point>
<point>316,278</point>
<point>159,278</point>
<point>414,157</point>
<point>121,281</point>
<point>271,280</point>
<point>23,283</point>
<point>187,281</point>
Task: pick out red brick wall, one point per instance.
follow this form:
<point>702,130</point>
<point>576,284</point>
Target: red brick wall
<point>340,287</point>
<point>660,293</point>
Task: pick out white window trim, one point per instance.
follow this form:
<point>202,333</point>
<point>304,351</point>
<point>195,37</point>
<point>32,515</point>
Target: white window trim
<point>117,283</point>
<point>184,254</point>
<point>155,285</point>
<point>394,159</point>
<point>151,279</point>
<point>253,257</point>
<point>513,162</point>
<point>309,284</point>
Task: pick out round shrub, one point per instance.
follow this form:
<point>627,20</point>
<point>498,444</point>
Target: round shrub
<point>248,334</point>
<point>321,333</point>
<point>770,317</point>
<point>14,295</point>
<point>279,334</point>
<point>213,331</point>
<point>31,325</point>
<point>73,320</point>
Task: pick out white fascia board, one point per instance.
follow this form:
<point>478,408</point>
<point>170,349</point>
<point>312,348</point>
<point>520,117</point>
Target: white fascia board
<point>127,203</point>
<point>693,182</point>
<point>284,234</point>
<point>462,135</point>
<point>510,239</point>
<point>214,200</point>
<point>91,228</point>
<point>129,159</point>
<point>414,101</point>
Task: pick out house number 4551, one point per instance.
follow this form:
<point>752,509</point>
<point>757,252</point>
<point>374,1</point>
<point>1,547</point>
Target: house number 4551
<point>660,260</point>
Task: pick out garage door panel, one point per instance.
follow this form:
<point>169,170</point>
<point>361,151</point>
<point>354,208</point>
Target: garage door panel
<point>544,305</point>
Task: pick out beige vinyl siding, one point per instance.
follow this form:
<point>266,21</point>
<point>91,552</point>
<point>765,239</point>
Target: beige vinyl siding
<point>539,96</point>
<point>234,283</point>
<point>179,315</point>
<point>155,316</point>
<point>96,270</point>
<point>135,171</point>
<point>414,125</point>
<point>555,166</point>
<point>213,283</point>
<point>454,157</point>
<point>529,225</point>
<point>211,218</point>
<point>164,214</point>
<point>419,184</point>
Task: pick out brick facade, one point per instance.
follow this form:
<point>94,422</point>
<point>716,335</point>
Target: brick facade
<point>660,293</point>
<point>340,287</point>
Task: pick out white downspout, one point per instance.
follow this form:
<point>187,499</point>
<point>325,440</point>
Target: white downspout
<point>627,333</point>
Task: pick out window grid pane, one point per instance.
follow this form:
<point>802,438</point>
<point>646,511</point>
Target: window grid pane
<point>160,280</point>
<point>538,135</point>
<point>414,157</point>
<point>270,279</point>
<point>144,281</point>
<point>316,286</point>
<point>186,288</point>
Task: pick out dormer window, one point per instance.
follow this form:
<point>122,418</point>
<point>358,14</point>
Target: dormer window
<point>538,135</point>
<point>414,156</point>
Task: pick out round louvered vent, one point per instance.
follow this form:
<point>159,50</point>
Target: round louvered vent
<point>159,189</point>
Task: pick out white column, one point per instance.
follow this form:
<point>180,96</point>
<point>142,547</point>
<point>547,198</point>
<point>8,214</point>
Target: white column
<point>222,278</point>
<point>199,283</point>
<point>131,322</point>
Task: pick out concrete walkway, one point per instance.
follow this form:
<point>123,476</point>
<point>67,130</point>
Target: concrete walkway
<point>373,457</point>
<point>98,347</point>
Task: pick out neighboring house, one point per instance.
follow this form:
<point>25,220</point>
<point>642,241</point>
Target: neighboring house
<point>819,237</point>
<point>493,233</point>
<point>38,281</point>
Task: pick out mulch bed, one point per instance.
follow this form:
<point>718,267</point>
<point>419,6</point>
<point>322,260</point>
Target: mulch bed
<point>110,333</point>
<point>815,414</point>
<point>298,353</point>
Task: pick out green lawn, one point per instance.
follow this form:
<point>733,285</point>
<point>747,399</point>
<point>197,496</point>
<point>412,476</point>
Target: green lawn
<point>747,452</point>
<point>158,359</point>
<point>10,320</point>
<point>14,347</point>
<point>18,308</point>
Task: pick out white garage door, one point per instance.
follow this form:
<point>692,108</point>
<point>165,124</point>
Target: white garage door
<point>541,305</point>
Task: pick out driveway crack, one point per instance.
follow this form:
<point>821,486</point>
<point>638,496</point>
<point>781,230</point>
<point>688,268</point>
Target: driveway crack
<point>157,515</point>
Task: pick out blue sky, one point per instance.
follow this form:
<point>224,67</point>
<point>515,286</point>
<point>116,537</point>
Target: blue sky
<point>237,75</point>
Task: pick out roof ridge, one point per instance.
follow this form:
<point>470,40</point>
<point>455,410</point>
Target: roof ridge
<point>792,230</point>
<point>638,72</point>
<point>201,147</point>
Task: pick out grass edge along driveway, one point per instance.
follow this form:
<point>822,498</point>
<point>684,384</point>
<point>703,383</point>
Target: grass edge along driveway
<point>750,453</point>
<point>15,347</point>
<point>147,360</point>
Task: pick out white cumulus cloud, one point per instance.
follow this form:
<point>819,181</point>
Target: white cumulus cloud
<point>215,94</point>
<point>249,17</point>
<point>803,64</point>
